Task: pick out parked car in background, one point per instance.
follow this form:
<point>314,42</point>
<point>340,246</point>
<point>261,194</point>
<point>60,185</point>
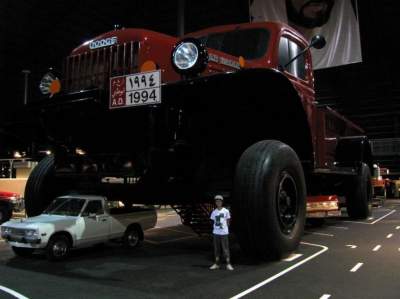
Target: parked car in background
<point>9,202</point>
<point>75,221</point>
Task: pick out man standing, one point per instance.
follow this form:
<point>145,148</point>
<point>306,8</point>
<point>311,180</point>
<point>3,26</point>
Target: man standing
<point>221,218</point>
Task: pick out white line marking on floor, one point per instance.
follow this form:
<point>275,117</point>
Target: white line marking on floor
<point>376,248</point>
<point>326,296</point>
<point>356,267</point>
<point>272,278</point>
<point>292,257</point>
<point>320,234</point>
<point>389,236</point>
<point>376,221</point>
<point>338,227</point>
<point>352,246</point>
<point>12,293</point>
<point>397,227</point>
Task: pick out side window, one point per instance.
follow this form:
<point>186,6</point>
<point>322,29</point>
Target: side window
<point>284,53</point>
<point>298,67</point>
<point>94,207</point>
<point>287,50</point>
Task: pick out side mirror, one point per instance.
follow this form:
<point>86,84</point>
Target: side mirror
<point>318,42</point>
<point>92,216</point>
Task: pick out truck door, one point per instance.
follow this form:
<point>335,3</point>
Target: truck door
<point>96,222</point>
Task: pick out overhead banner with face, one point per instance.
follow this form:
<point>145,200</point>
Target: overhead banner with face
<point>336,20</point>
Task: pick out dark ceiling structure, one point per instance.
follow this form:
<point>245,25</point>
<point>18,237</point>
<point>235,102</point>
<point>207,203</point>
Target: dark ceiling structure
<point>35,35</point>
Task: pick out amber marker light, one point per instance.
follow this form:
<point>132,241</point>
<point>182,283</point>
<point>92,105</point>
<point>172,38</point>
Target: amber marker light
<point>148,66</point>
<point>242,62</point>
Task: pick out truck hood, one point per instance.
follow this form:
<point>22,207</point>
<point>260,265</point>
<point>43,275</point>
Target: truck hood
<point>34,222</point>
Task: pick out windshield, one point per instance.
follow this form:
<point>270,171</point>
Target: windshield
<point>65,206</point>
<point>248,43</point>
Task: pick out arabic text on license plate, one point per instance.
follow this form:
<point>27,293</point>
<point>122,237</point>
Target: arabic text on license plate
<point>135,90</point>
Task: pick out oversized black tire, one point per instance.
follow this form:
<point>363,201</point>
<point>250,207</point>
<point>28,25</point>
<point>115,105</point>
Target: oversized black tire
<point>269,205</point>
<point>359,194</point>
<point>5,214</point>
<point>58,248</point>
<point>133,236</point>
<point>39,189</point>
<point>22,252</point>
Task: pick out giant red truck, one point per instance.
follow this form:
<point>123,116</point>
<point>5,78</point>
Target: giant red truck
<point>144,117</point>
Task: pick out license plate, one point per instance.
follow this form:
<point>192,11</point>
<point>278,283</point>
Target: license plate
<point>135,90</point>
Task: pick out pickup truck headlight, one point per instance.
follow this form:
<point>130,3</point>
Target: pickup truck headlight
<point>5,231</point>
<point>189,56</point>
<point>31,233</point>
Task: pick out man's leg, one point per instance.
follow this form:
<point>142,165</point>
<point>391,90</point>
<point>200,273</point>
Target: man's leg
<point>225,248</point>
<point>217,248</point>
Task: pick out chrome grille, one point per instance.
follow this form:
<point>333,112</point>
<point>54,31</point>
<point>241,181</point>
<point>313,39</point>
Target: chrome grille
<point>17,232</point>
<point>93,69</point>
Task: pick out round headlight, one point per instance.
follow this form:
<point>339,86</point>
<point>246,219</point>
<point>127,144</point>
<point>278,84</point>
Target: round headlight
<point>189,56</point>
<point>186,55</point>
<point>50,84</point>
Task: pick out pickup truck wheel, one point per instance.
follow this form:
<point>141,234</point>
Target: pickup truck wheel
<point>269,204</point>
<point>23,252</point>
<point>58,248</point>
<point>133,237</point>
<point>38,191</point>
<point>5,214</point>
<point>359,194</point>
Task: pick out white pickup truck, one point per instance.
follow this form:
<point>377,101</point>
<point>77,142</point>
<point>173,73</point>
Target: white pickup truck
<point>78,221</point>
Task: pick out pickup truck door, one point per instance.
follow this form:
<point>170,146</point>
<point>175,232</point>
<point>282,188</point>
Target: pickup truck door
<point>96,223</point>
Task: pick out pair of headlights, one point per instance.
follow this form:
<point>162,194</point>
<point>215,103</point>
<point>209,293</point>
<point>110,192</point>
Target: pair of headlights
<point>28,233</point>
<point>189,57</point>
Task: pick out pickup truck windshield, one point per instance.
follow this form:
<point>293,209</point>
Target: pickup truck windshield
<point>248,43</point>
<point>65,207</point>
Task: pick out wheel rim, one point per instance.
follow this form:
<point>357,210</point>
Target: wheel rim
<point>133,238</point>
<point>287,203</point>
<point>60,248</point>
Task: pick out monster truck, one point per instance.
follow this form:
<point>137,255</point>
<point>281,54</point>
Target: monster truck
<point>227,110</point>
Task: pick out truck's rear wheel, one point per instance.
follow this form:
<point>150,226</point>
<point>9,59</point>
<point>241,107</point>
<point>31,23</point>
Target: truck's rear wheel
<point>359,194</point>
<point>133,236</point>
<point>269,204</point>
<point>39,187</point>
<point>23,252</point>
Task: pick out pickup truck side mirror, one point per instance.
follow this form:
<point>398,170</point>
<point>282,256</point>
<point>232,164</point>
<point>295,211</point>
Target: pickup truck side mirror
<point>317,42</point>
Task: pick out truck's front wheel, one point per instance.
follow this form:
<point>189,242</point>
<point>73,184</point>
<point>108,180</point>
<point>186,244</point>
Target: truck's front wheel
<point>58,248</point>
<point>269,200</point>
<point>39,187</point>
<point>5,214</point>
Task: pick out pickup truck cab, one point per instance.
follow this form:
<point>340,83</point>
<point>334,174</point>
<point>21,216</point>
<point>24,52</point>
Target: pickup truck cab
<point>75,221</point>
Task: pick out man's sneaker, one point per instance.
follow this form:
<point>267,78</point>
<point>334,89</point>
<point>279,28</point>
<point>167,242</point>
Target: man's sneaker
<point>229,267</point>
<point>214,267</point>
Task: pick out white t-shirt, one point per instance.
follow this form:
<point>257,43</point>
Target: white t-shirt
<point>220,218</point>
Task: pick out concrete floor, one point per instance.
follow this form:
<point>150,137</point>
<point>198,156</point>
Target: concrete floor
<point>342,259</point>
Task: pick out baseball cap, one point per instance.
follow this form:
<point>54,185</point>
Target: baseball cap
<point>218,197</point>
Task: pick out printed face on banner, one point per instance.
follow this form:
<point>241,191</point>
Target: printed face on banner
<point>336,20</point>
